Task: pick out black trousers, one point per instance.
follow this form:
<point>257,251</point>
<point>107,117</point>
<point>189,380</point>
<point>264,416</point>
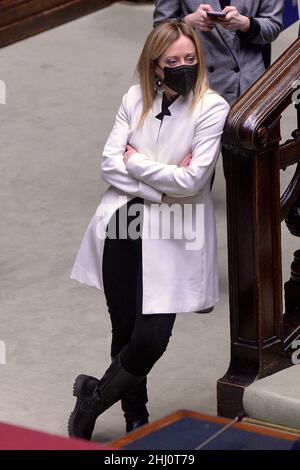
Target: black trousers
<point>141,339</point>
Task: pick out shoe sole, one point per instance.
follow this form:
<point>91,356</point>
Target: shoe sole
<point>77,388</point>
<point>206,310</point>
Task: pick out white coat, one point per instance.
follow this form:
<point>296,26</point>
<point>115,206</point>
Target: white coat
<point>175,279</point>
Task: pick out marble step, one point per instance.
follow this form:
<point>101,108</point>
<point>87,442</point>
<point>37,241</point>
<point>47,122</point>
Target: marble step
<point>276,399</point>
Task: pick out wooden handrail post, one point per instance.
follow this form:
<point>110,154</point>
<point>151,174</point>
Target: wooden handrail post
<point>252,165</point>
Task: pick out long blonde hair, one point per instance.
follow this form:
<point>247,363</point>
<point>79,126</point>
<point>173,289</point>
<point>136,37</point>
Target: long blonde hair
<point>160,38</point>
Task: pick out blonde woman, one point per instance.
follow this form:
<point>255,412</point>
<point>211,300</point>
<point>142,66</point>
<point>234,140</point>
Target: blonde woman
<point>158,160</point>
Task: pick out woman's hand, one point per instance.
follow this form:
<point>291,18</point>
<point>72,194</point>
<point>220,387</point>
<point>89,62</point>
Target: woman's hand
<point>186,161</point>
<point>129,151</point>
<point>200,19</point>
<point>234,21</point>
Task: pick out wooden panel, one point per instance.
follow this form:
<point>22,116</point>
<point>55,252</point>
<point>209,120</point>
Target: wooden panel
<point>21,19</point>
<point>4,4</point>
<point>17,10</point>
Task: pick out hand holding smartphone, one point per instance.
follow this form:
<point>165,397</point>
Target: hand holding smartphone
<point>215,14</point>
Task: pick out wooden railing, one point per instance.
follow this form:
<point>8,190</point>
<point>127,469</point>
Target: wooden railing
<point>261,334</point>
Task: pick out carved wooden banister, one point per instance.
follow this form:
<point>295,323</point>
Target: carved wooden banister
<point>261,335</point>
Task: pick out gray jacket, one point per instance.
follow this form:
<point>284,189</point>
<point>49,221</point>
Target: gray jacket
<point>233,64</point>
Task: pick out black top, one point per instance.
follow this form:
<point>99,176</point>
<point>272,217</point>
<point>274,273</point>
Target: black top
<point>224,3</point>
<point>166,102</point>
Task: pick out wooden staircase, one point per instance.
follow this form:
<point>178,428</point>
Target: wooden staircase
<point>262,331</point>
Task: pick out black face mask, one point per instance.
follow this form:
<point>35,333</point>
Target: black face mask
<point>181,79</point>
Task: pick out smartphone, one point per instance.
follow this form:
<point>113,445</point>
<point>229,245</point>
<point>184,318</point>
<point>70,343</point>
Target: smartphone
<point>216,14</point>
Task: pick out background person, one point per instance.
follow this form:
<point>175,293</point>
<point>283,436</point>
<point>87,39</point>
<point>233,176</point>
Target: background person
<point>234,46</point>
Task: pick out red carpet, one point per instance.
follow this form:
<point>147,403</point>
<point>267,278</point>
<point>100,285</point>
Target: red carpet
<point>18,438</point>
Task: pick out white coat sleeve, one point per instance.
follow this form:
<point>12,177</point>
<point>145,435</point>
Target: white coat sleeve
<point>182,182</point>
<point>113,169</point>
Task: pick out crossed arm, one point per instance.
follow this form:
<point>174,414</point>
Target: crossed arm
<point>113,169</point>
<point>188,178</point>
<point>134,173</point>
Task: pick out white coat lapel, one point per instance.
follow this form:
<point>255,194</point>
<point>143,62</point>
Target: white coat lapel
<point>156,108</point>
<point>177,107</point>
<point>180,105</point>
<point>163,129</point>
